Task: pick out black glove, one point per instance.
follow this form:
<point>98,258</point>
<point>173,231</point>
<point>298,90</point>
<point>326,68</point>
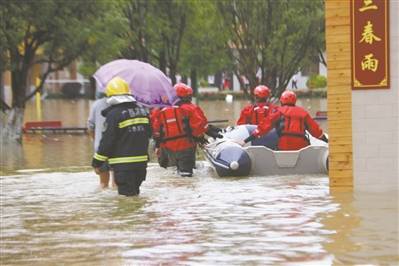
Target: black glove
<point>250,138</point>
<point>324,138</point>
<point>214,132</point>
<point>202,141</point>
<point>216,135</point>
<point>215,128</point>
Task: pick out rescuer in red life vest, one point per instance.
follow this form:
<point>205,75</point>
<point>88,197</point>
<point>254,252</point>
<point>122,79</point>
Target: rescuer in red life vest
<point>290,122</point>
<point>255,113</point>
<point>177,130</point>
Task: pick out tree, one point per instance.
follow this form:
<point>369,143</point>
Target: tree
<point>47,32</point>
<point>156,31</point>
<point>137,33</point>
<point>105,40</point>
<point>172,24</point>
<point>203,48</point>
<point>271,38</point>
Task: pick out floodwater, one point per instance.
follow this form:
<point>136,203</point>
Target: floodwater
<point>52,211</point>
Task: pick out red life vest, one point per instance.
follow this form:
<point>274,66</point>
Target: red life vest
<point>172,122</point>
<point>292,122</point>
<point>175,129</point>
<point>258,113</point>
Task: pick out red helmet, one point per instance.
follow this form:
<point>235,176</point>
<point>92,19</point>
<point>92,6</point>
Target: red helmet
<point>262,91</point>
<point>182,90</point>
<point>288,98</point>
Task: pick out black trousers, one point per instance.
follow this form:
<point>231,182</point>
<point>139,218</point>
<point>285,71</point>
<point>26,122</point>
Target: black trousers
<point>184,160</point>
<point>129,181</point>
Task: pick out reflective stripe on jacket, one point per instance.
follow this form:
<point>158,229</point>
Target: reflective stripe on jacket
<point>125,139</point>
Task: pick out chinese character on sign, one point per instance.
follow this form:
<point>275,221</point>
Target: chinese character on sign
<point>367,5</point>
<point>368,34</point>
<point>369,63</point>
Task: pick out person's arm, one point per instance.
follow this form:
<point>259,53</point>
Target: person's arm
<point>107,141</point>
<point>264,126</point>
<point>91,121</point>
<point>156,126</point>
<point>198,121</point>
<point>314,129</point>
<point>243,119</point>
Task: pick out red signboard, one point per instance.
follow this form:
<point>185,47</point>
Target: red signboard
<point>370,44</point>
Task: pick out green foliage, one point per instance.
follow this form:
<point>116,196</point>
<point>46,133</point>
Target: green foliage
<point>190,37</point>
<point>54,34</point>
<point>274,38</point>
<point>201,37</point>
<point>203,83</point>
<point>155,31</point>
<point>204,45</point>
<point>177,35</point>
<point>316,81</point>
<point>105,39</point>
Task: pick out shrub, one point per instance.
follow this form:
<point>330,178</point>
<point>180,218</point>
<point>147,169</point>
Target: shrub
<point>203,83</point>
<point>316,81</point>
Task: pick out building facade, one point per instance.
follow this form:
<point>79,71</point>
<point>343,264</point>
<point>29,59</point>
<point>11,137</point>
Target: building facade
<point>363,123</point>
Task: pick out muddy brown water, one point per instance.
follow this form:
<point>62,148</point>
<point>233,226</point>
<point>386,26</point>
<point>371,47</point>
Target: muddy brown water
<point>52,211</point>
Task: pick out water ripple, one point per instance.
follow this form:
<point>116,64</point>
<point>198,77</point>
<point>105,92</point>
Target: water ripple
<point>49,218</point>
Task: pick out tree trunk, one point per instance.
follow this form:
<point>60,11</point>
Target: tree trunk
<point>218,80</point>
<point>1,86</point>
<point>162,62</point>
<point>193,77</point>
<point>12,128</point>
<point>172,73</point>
<point>184,79</point>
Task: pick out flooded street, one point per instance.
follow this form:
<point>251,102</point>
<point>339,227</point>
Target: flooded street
<point>64,150</point>
<point>52,211</point>
<point>61,217</point>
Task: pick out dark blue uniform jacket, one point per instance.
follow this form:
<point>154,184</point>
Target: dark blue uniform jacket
<point>124,142</point>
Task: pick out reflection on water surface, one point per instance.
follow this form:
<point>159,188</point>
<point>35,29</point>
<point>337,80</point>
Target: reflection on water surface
<point>52,217</point>
<point>55,217</point>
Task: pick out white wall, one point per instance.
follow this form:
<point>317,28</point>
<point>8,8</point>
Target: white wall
<point>375,125</point>
<point>323,68</point>
<point>300,83</point>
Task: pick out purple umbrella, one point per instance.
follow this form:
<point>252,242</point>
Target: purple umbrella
<point>149,85</point>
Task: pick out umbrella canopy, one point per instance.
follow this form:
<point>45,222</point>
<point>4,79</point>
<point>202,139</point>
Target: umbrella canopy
<point>149,85</point>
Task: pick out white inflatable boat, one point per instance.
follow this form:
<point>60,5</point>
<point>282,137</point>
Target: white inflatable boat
<point>260,157</point>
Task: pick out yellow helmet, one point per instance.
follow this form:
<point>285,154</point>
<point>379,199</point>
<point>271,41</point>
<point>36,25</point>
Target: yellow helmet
<point>117,86</point>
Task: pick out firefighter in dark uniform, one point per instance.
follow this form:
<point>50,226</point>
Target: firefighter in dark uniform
<point>290,122</point>
<point>177,130</point>
<point>254,113</point>
<point>124,142</point>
